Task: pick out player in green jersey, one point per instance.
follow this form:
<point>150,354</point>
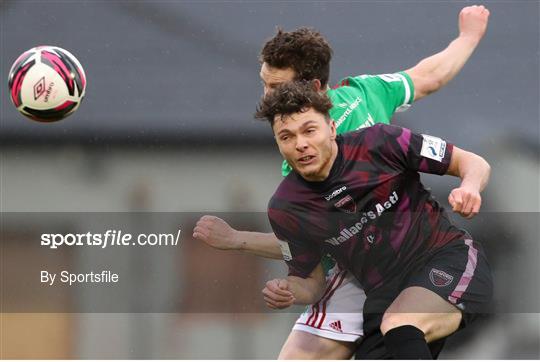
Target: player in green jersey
<point>367,99</point>
<point>358,102</point>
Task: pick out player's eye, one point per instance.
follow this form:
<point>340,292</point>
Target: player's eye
<point>310,130</point>
<point>285,138</point>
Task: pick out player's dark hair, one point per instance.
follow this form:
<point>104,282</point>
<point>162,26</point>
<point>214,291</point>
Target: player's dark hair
<point>292,97</point>
<point>304,50</point>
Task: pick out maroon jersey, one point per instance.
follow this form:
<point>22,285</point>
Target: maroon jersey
<point>372,213</point>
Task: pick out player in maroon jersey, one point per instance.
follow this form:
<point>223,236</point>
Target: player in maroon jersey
<point>320,332</point>
<point>358,197</point>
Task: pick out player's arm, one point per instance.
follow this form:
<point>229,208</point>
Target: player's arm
<point>434,72</point>
<point>310,289</point>
<point>474,172</point>
<point>306,281</point>
<point>404,150</point>
<point>218,234</point>
<point>282,293</point>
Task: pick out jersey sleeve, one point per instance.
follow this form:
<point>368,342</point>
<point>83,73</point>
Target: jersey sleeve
<point>405,150</point>
<point>394,92</point>
<point>300,255</point>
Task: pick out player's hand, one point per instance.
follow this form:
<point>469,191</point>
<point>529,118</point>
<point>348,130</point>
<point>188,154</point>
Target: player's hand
<point>216,233</point>
<point>465,201</point>
<point>277,294</point>
<point>473,21</point>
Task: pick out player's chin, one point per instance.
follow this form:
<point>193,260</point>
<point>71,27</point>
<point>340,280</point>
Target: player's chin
<point>308,171</point>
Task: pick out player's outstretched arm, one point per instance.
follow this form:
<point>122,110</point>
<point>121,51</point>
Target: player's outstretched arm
<point>282,293</point>
<point>434,72</point>
<point>218,234</point>
<point>474,172</point>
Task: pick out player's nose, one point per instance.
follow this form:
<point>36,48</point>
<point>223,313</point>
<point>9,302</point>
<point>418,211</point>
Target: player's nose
<point>301,143</point>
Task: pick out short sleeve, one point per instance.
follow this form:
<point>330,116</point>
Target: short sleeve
<point>406,150</point>
<point>394,92</point>
<point>301,255</point>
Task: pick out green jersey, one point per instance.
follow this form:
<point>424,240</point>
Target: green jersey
<point>365,100</point>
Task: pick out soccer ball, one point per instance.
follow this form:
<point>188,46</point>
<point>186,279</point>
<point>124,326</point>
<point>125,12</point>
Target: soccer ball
<point>47,83</point>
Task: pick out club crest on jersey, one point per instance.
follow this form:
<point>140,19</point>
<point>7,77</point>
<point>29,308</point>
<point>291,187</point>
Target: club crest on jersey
<point>440,278</point>
<point>346,204</point>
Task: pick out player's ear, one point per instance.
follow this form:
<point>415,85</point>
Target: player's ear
<point>317,85</point>
<point>333,129</point>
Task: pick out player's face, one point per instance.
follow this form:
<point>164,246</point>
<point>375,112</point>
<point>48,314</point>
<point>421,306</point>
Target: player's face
<point>307,141</point>
<point>272,77</point>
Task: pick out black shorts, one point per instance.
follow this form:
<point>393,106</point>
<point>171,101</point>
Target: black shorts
<point>458,272</point>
